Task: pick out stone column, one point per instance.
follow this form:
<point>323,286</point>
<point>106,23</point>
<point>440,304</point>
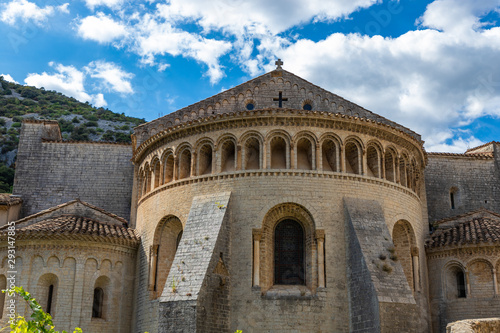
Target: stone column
<point>364,163</point>
<point>416,269</point>
<point>319,158</point>
<point>257,235</point>
<point>320,240</point>
<point>339,159</point>
<point>495,282</point>
<point>238,157</point>
<point>315,158</point>
<point>291,160</point>
<point>467,282</point>
<point>176,166</point>
<point>153,261</point>
<point>382,167</point>
<point>193,164</point>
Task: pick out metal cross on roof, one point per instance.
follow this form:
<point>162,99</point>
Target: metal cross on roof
<point>278,64</point>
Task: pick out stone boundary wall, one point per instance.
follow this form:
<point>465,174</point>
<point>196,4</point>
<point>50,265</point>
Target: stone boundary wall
<point>474,180</point>
<point>490,325</point>
<point>49,173</point>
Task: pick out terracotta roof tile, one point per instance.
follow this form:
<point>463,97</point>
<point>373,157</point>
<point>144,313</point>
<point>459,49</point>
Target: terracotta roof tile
<point>9,200</point>
<point>71,227</point>
<point>476,231</point>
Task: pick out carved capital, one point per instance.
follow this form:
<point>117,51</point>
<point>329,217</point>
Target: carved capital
<point>257,234</point>
<point>414,251</point>
<point>320,235</point>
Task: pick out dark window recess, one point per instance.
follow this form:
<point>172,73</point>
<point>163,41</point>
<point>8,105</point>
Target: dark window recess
<point>250,106</point>
<point>307,107</point>
<point>452,200</point>
<point>289,253</point>
<point>98,302</point>
<point>461,284</point>
<point>49,298</point>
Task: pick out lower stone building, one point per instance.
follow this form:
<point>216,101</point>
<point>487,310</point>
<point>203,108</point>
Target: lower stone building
<point>274,206</point>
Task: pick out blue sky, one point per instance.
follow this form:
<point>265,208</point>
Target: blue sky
<point>432,66</point>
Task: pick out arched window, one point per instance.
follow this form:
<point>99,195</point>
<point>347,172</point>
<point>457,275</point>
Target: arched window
<point>453,197</point>
<point>156,173</point>
<point>289,253</point>
<point>168,169</point>
<point>390,173</point>
<point>304,154</point>
<point>185,164</point>
<point>97,303</point>
<point>330,155</point>
<point>461,293</point>
<point>352,158</point>
<point>278,153</point>
<point>252,154</point>
<point>373,162</point>
<point>167,237</point>
<point>50,297</point>
<point>228,156</point>
<point>205,160</point>
<point>402,171</point>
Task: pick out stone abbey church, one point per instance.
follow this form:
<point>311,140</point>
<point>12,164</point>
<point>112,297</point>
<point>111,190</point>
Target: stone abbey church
<point>274,206</point>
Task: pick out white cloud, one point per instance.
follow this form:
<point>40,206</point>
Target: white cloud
<point>68,80</point>
<point>26,11</point>
<point>107,3</point>
<point>427,80</point>
<point>115,79</point>
<point>155,38</point>
<point>9,78</point>
<point>101,28</point>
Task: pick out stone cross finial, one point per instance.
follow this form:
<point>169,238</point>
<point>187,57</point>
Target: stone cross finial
<point>278,64</point>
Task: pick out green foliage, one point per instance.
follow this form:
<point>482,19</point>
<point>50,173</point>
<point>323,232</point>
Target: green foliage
<point>75,120</point>
<point>91,124</point>
<point>6,179</point>
<point>41,322</point>
<point>80,133</point>
<point>16,125</point>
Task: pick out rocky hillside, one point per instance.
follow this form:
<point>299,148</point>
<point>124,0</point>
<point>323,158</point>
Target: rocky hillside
<point>78,121</point>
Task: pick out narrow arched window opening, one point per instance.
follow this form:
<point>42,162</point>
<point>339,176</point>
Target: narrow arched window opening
<point>49,298</point>
<point>228,156</point>
<point>252,154</point>
<point>278,153</point>
<point>373,162</point>
<point>205,160</point>
<point>329,151</point>
<point>98,303</point>
<point>168,169</point>
<point>304,154</point>
<point>390,173</point>
<point>157,174</point>
<point>352,158</point>
<point>461,290</point>
<point>289,253</point>
<point>452,200</point>
<point>185,164</point>
<point>402,171</point>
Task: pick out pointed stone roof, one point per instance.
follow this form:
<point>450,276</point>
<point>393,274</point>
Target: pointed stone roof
<point>264,92</point>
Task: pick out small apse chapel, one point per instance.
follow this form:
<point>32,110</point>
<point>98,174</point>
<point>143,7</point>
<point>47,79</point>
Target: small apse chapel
<point>274,206</point>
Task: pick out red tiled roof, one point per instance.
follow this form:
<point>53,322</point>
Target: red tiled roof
<point>9,200</point>
<point>478,230</point>
<point>75,227</point>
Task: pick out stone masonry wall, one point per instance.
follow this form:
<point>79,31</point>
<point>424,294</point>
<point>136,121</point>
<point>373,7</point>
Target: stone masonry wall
<point>49,173</point>
<point>253,195</point>
<point>477,181</point>
<point>475,326</point>
<point>198,283</point>
<point>73,267</point>
<point>372,271</point>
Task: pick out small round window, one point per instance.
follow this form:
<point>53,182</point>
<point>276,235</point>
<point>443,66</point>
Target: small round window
<point>307,107</point>
<point>250,106</point>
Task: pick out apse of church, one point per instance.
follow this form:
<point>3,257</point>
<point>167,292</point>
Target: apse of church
<point>274,206</point>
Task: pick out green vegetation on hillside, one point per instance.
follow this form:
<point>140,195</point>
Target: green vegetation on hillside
<point>78,121</point>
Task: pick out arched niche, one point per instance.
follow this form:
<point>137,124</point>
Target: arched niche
<point>252,154</point>
<point>353,157</point>
<point>305,154</point>
<point>404,241</point>
<point>278,148</point>
<point>205,159</point>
